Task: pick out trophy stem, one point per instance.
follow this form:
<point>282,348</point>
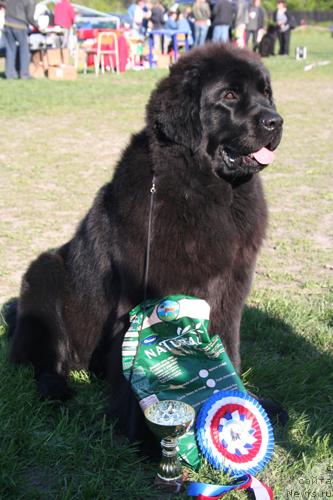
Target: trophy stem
<point>169,419</point>
<point>170,467</point>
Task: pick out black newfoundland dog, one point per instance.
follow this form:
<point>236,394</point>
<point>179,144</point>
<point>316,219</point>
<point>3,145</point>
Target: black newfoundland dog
<point>267,43</point>
<point>211,127</point>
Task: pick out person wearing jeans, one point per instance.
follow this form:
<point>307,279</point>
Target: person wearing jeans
<point>19,14</point>
<point>223,17</point>
<point>201,14</point>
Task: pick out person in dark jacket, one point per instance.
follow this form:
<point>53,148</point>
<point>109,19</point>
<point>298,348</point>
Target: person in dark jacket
<point>284,24</point>
<point>256,23</point>
<point>223,17</point>
<point>157,15</point>
<point>19,14</point>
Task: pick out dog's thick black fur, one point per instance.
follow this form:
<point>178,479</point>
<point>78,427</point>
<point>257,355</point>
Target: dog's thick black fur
<point>267,44</point>
<point>209,217</point>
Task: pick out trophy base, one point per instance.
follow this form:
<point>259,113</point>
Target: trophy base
<point>169,485</point>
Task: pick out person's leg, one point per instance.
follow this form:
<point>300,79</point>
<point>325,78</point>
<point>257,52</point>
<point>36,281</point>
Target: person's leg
<point>24,51</point>
<point>11,48</point>
<point>217,33</point>
<point>255,40</point>
<point>225,33</point>
<point>65,39</point>
<point>203,34</point>
<point>247,37</point>
<point>286,42</point>
<point>281,44</point>
<point>282,48</point>
<point>241,35</point>
<point>197,31</point>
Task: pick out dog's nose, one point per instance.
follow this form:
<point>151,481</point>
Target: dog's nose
<point>271,121</point>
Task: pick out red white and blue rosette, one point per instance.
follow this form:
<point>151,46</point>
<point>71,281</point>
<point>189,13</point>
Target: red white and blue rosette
<point>234,433</point>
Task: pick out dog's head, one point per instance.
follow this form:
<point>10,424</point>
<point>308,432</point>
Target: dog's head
<point>272,30</point>
<point>217,101</point>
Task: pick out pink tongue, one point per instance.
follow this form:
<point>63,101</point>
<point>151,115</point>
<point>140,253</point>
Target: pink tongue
<point>264,156</point>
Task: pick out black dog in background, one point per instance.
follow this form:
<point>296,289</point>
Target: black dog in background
<point>211,126</point>
<point>266,46</point>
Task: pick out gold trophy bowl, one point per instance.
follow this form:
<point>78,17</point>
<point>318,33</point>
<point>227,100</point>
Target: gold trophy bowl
<point>169,420</point>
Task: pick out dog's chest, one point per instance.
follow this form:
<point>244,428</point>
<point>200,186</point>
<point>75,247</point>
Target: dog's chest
<point>203,226</point>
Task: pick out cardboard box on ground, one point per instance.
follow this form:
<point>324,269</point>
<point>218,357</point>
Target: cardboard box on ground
<point>36,70</point>
<point>53,63</point>
<point>63,72</point>
<point>38,64</point>
<point>56,57</point>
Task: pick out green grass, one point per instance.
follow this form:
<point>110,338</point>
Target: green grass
<point>59,143</point>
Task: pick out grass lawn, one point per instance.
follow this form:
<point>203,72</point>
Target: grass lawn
<point>59,142</point>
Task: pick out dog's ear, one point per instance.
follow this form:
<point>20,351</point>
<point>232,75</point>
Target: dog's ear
<point>173,112</point>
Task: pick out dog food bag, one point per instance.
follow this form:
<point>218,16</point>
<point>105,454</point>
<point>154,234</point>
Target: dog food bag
<point>167,353</point>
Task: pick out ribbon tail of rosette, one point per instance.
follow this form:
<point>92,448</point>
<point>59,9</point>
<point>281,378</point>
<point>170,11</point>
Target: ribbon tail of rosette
<point>260,490</point>
<point>204,491</point>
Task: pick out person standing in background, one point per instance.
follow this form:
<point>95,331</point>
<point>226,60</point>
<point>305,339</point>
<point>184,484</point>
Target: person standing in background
<point>284,25</point>
<point>201,14</point>
<point>64,16</point>
<point>2,14</point>
<point>242,19</point>
<point>223,17</point>
<point>188,13</point>
<point>146,16</point>
<point>157,15</point>
<point>138,15</point>
<point>261,22</point>
<point>156,22</point>
<point>256,23</point>
<point>172,21</point>
<point>184,26</point>
<point>19,14</point>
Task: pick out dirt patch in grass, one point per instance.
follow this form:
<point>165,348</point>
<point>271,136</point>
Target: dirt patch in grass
<point>52,169</point>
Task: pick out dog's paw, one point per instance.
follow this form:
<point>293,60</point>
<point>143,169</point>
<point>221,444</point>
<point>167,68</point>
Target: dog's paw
<point>275,411</point>
<point>53,386</point>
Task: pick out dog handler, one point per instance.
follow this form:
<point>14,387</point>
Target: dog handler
<point>19,14</point>
<point>285,24</point>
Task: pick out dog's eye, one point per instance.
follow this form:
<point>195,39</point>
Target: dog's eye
<point>230,95</point>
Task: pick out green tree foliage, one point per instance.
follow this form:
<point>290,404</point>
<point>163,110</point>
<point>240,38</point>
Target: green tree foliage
<point>121,5</point>
<point>105,5</point>
<point>303,5</point>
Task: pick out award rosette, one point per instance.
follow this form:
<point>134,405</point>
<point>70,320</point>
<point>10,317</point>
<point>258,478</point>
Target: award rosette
<point>234,433</point>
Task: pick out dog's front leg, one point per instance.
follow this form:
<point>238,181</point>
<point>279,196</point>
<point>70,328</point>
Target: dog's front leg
<point>40,337</point>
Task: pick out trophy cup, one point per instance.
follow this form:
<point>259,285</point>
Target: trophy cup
<point>169,420</point>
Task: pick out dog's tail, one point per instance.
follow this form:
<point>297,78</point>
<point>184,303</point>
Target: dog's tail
<point>8,316</point>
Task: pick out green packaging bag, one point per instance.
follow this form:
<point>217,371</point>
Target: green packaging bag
<point>167,353</point>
